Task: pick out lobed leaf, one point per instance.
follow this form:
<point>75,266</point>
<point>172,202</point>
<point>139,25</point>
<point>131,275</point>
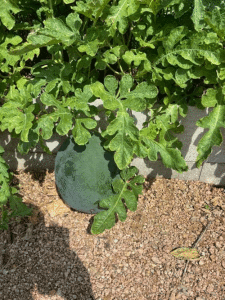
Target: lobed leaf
<point>6,7</point>
<point>6,58</point>
<point>119,14</point>
<point>214,121</point>
<point>167,144</point>
<point>106,219</point>
<point>65,123</point>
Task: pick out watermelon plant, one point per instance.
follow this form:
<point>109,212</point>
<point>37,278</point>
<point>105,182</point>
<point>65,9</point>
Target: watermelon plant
<point>159,56</point>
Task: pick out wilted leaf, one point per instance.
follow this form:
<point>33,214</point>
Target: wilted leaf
<point>186,253</point>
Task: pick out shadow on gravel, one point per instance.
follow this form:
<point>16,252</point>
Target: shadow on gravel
<point>35,258</point>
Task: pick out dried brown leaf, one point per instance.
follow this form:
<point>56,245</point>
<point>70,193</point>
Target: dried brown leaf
<point>186,253</point>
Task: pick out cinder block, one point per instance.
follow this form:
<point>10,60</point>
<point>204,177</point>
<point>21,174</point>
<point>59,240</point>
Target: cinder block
<point>213,173</point>
<point>154,169</point>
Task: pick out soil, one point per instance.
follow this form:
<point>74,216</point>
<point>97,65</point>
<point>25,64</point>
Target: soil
<point>53,255</point>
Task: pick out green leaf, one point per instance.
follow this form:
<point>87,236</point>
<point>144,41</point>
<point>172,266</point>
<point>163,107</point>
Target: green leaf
<point>80,133</point>
<point>90,48</point>
<point>94,38</point>
<point>68,1</point>
<point>111,84</point>
<point>7,194</point>
<point>66,86</point>
<point>125,133</point>
<point>65,123</point>
<point>26,48</point>
<point>84,62</point>
<point>51,85</point>
<point>211,52</point>
<point>166,122</point>
<point>106,219</point>
<point>119,50</point>
<point>11,118</point>
<point>6,59</point>
<point>81,99</point>
<point>175,36</point>
<point>109,58</point>
<point>126,84</point>
<point>108,100</point>
<point>144,90</point>
<point>214,121</point>
<point>18,207</point>
<point>46,125</point>
<point>33,138</point>
<point>4,179</point>
<point>47,69</point>
<point>54,32</point>
<point>171,157</point>
<point>153,6</point>
<point>74,22</point>
<point>198,14</point>
<point>119,15</point>
<point>130,56</point>
<point>57,29</point>
<point>91,8</point>
<point>6,7</point>
<point>209,100</point>
<point>217,22</point>
<point>16,114</point>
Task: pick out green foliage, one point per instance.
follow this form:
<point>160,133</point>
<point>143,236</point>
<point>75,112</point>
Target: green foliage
<point>7,194</point>
<point>106,219</point>
<point>132,54</point>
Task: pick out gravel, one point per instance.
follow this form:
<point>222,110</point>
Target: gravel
<point>53,255</point>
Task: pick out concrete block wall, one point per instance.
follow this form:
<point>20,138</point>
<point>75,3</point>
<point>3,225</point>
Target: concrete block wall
<point>212,171</point>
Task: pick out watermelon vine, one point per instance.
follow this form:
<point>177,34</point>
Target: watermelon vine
<point>158,55</point>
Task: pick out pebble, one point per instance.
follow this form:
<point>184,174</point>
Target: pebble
<point>218,245</point>
<point>210,288</point>
<point>59,293</point>
<point>156,260</point>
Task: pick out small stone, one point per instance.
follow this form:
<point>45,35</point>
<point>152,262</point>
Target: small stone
<point>59,293</point>
<point>202,219</point>
<point>223,264</point>
<point>211,250</point>
<point>212,257</point>
<point>210,288</point>
<point>218,245</point>
<point>156,260</point>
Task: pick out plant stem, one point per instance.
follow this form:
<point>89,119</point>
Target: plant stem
<point>120,67</point>
<point>114,71</point>
<point>51,8</point>
<point>128,42</point>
